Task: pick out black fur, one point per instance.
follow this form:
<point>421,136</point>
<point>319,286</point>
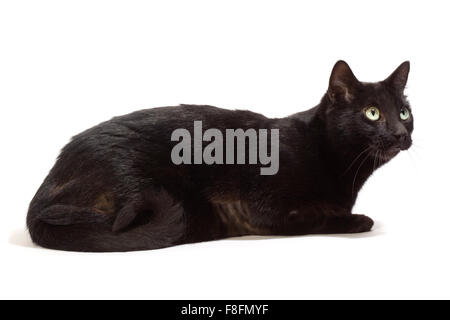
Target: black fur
<point>115,188</point>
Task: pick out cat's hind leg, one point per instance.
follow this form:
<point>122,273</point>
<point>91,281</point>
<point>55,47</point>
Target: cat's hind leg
<point>149,221</point>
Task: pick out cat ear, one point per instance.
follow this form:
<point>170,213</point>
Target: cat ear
<point>399,77</point>
<point>342,82</point>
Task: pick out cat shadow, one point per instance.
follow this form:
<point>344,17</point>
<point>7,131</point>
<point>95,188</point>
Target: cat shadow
<point>21,238</point>
<point>376,231</point>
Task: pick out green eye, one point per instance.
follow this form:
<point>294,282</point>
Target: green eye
<point>372,113</point>
<point>404,114</point>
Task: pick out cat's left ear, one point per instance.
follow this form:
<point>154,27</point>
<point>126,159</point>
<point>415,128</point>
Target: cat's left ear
<point>343,83</point>
<point>399,77</point>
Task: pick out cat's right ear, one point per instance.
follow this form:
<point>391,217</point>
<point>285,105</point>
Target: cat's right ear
<point>342,82</point>
<point>399,77</point>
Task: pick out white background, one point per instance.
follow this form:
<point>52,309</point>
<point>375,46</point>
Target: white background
<point>68,65</point>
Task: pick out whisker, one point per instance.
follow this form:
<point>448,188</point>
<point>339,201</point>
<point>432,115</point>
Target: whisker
<point>351,164</point>
<point>415,152</point>
<point>375,160</point>
<point>412,160</point>
<point>354,179</point>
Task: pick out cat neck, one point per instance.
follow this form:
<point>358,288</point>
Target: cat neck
<point>349,165</point>
<point>352,163</point>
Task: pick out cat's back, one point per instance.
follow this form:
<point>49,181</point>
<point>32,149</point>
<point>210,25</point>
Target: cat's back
<point>145,135</point>
<point>184,115</point>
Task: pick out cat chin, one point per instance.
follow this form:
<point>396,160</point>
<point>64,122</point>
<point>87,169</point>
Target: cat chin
<point>386,155</point>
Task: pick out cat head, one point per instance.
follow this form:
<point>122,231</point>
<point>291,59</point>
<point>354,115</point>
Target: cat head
<point>373,116</point>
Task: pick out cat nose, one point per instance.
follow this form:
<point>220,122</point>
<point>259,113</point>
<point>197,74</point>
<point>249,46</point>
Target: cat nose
<point>402,137</point>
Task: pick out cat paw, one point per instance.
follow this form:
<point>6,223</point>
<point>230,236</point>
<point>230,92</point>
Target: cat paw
<point>360,223</point>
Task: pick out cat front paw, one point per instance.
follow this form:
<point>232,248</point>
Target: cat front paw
<point>359,223</point>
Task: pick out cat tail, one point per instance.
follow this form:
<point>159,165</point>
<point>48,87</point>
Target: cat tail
<point>72,228</point>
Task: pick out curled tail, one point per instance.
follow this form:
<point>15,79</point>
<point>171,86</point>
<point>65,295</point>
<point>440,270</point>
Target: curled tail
<point>152,221</point>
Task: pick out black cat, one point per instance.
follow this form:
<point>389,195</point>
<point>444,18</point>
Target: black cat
<point>115,187</point>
